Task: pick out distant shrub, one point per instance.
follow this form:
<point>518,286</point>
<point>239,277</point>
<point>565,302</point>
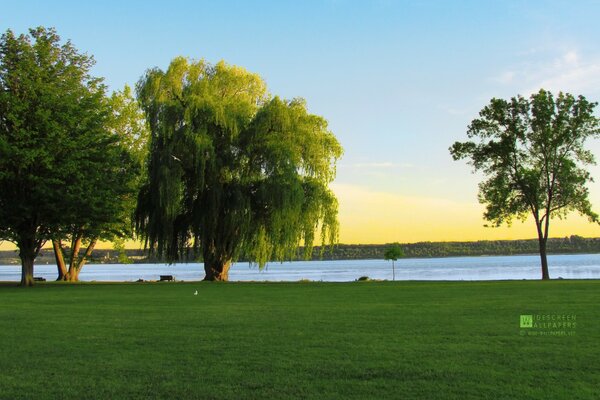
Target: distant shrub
<point>363,278</point>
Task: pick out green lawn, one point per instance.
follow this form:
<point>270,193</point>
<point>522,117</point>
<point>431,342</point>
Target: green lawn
<point>380,340</point>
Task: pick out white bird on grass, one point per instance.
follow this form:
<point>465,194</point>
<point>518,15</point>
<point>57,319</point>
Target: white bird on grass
<point>196,293</point>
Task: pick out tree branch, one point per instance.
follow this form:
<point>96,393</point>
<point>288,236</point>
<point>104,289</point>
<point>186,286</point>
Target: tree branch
<point>88,253</point>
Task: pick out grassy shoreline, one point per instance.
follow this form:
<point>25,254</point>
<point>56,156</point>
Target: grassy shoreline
<point>420,339</point>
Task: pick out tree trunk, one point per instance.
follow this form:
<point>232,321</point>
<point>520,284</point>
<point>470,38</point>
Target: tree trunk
<point>217,271</point>
<point>60,260</point>
<point>72,275</point>
<point>29,247</point>
<point>27,258</point>
<point>88,253</point>
<point>216,264</point>
<point>28,250</point>
<point>75,246</point>
<point>544,258</point>
<point>77,263</point>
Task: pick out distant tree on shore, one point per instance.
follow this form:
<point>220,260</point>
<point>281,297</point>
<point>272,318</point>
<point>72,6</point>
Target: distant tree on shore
<point>533,155</point>
<point>393,253</point>
<point>232,170</point>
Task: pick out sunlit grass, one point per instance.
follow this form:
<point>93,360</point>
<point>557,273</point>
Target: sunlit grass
<point>426,340</point>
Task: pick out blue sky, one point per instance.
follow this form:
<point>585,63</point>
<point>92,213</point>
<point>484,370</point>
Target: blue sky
<point>398,81</point>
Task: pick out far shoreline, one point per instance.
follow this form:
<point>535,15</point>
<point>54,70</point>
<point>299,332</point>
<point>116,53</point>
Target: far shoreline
<point>421,250</point>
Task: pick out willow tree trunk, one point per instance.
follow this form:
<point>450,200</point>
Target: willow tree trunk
<point>216,264</point>
<point>217,271</point>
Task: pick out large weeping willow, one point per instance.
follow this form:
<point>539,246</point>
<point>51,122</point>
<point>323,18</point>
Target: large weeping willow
<point>231,170</point>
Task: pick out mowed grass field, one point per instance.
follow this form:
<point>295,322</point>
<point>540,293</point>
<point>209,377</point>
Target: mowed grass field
<point>361,340</point>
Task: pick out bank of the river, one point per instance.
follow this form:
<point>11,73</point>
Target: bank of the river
<point>377,340</point>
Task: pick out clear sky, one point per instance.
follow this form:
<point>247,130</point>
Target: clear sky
<point>398,81</point>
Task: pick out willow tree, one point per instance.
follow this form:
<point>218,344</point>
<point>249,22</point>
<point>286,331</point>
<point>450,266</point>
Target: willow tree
<point>533,154</point>
<point>231,170</point>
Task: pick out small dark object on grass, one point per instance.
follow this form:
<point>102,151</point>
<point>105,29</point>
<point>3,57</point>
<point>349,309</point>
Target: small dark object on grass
<point>363,278</point>
<point>167,278</point>
<point>140,280</point>
<point>39,279</point>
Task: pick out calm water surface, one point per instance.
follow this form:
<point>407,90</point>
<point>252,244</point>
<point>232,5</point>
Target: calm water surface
<point>580,266</point>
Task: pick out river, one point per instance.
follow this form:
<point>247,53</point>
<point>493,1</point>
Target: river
<point>579,266</point>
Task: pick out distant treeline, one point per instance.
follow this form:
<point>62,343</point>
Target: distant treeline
<point>567,245</point>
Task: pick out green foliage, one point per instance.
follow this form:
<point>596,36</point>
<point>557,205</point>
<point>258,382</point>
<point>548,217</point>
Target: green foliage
<point>115,183</point>
<point>534,157</point>
<point>532,153</point>
<point>231,170</point>
<point>119,246</point>
<point>53,145</point>
<point>126,122</point>
<point>393,252</point>
<point>69,156</point>
<point>115,193</point>
<point>51,110</point>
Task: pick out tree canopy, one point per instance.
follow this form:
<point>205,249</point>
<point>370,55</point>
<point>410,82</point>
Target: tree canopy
<point>393,253</point>
<point>56,156</point>
<point>532,152</point>
<point>114,190</point>
<point>231,169</point>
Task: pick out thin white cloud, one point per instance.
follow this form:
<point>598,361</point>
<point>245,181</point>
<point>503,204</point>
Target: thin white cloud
<point>383,165</point>
<point>570,58</point>
<point>455,111</point>
<point>505,77</point>
<point>580,78</point>
<point>378,165</point>
<point>567,71</point>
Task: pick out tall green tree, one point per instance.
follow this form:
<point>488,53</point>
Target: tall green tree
<point>114,188</point>
<point>231,170</point>
<point>532,152</point>
<point>52,134</point>
<point>393,253</point>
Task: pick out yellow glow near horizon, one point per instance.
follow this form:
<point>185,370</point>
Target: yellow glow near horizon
<point>370,217</point>
<point>377,217</point>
